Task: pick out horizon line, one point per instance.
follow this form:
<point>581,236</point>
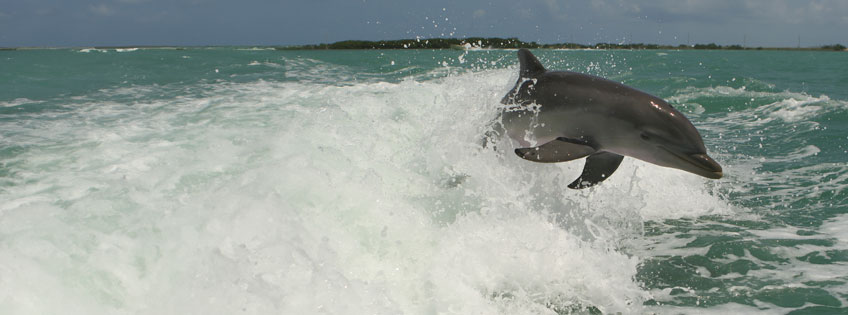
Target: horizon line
<point>461,39</point>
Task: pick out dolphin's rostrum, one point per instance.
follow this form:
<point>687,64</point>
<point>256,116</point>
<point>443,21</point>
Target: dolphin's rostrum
<point>560,116</point>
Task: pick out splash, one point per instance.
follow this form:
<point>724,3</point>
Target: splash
<point>333,190</point>
<point>308,197</point>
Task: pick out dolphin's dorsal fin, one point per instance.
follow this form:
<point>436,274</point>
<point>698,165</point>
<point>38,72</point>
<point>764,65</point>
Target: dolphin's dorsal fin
<point>560,150</point>
<point>530,66</point>
<point>599,166</point>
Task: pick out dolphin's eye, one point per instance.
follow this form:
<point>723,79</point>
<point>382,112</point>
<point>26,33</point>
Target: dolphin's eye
<point>645,136</point>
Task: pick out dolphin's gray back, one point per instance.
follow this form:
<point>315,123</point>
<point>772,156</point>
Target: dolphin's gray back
<point>570,104</point>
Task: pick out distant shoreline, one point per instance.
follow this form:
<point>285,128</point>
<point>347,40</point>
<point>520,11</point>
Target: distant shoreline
<point>514,43</point>
<point>471,43</point>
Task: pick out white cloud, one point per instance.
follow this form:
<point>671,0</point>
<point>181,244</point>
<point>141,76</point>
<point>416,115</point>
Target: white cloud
<point>525,13</point>
<point>798,12</point>
<point>721,11</point>
<point>102,9</point>
<point>555,10</point>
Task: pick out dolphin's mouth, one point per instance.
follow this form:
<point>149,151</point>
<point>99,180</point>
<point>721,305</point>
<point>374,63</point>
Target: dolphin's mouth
<point>704,164</point>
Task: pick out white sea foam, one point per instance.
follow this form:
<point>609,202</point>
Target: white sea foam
<point>266,63</point>
<point>18,102</point>
<point>311,197</point>
<point>785,106</point>
<point>88,50</point>
<point>256,48</point>
<point>729,308</point>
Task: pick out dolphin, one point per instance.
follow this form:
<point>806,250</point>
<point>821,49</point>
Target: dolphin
<point>559,116</point>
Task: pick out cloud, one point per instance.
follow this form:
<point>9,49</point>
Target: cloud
<point>101,9</point>
<point>797,12</point>
<point>722,11</point>
<point>525,13</point>
<point>713,11</point>
<point>555,10</point>
<point>617,7</point>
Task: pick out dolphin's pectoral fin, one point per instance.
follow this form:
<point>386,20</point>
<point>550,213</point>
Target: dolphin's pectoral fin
<point>599,166</point>
<point>559,150</point>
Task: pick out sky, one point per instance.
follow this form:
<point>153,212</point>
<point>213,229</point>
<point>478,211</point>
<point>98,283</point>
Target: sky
<point>753,23</point>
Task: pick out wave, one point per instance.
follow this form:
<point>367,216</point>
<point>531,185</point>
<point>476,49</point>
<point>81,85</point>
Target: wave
<point>286,195</point>
<point>266,63</point>
<point>767,136</point>
<point>784,173</point>
<point>18,102</point>
<point>333,190</point>
<point>762,107</point>
<point>88,50</point>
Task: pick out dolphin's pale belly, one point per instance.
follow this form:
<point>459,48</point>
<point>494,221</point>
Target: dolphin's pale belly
<point>603,132</point>
<point>529,128</point>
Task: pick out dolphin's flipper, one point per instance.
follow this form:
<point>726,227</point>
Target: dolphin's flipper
<point>599,166</point>
<point>559,150</point>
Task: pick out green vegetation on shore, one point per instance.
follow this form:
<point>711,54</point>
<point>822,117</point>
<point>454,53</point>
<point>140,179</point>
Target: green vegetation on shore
<point>500,43</point>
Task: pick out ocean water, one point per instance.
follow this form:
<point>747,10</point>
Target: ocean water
<point>250,181</point>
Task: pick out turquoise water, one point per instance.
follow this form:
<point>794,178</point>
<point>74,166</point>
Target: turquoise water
<point>239,180</point>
